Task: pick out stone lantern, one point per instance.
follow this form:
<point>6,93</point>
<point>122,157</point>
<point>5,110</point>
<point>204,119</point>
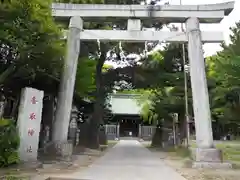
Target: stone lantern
<point>73,124</point>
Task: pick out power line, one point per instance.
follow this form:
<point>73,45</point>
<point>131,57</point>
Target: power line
<point>185,90</point>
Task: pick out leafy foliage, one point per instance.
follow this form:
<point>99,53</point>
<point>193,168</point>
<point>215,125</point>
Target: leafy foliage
<point>9,143</point>
<point>224,69</point>
<point>85,77</point>
<point>162,73</point>
<point>162,77</point>
<point>30,46</point>
<point>32,52</point>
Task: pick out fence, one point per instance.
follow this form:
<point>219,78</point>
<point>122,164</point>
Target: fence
<point>112,131</point>
<point>146,132</point>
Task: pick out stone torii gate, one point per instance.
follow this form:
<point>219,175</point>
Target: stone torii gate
<point>192,15</point>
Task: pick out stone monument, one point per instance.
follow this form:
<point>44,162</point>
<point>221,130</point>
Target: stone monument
<point>29,122</point>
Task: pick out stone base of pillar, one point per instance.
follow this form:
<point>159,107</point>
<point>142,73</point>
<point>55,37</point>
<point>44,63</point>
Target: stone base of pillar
<point>62,150</point>
<point>212,165</point>
<point>209,158</point>
<point>31,165</point>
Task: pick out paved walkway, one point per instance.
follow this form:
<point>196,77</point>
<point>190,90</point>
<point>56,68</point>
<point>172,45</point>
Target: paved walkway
<point>128,160</point>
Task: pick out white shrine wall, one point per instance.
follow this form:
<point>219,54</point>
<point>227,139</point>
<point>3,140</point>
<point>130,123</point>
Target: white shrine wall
<point>125,104</point>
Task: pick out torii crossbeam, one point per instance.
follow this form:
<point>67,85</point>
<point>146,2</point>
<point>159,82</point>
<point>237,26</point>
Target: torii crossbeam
<point>209,13</point>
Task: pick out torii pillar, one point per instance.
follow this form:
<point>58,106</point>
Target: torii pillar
<point>206,154</point>
<point>65,96</point>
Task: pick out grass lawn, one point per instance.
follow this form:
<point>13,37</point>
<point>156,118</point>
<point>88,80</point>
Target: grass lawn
<point>231,151</point>
<point>112,142</point>
<point>16,178</point>
<point>179,159</point>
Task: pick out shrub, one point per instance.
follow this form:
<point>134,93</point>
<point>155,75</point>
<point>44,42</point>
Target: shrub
<point>9,143</point>
<point>14,178</point>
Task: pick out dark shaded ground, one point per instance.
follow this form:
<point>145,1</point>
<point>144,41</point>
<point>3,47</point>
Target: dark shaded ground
<point>82,159</point>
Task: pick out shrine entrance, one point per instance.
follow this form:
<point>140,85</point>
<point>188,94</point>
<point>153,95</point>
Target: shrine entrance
<point>136,15</point>
<point>128,128</point>
<point>129,125</point>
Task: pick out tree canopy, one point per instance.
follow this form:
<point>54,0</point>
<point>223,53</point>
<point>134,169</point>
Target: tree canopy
<point>162,76</point>
<point>30,45</point>
<point>32,54</point>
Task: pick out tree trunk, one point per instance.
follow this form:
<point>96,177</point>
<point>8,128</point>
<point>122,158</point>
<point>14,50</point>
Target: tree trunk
<point>48,113</point>
<point>97,117</point>
<point>94,127</point>
<point>102,136</point>
<point>83,135</point>
<point>14,112</point>
<point>182,128</point>
<point>2,106</point>
<point>158,137</point>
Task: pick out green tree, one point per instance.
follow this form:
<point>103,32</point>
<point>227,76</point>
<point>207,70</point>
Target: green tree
<point>32,52</point>
<point>31,49</point>
<point>224,74</point>
<point>228,61</point>
<point>85,77</point>
<point>99,53</point>
<point>162,75</point>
